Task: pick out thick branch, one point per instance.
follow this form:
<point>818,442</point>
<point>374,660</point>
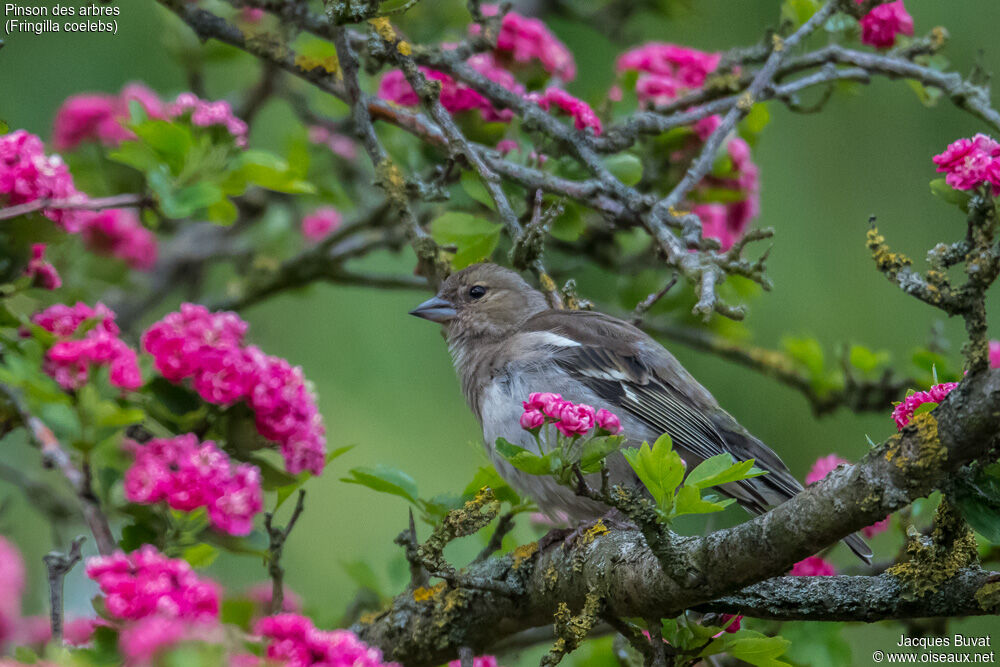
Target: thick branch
<point>426,629</point>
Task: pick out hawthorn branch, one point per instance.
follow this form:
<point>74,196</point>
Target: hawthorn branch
<point>276,546</point>
<point>58,565</point>
<point>77,203</point>
<point>624,572</point>
<point>54,456</point>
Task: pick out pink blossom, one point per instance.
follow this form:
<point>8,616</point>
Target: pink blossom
<point>209,114</point>
<point>340,144</point>
<point>728,222</point>
<point>575,419</point>
<point>261,596</point>
<point>876,528</point>
<point>456,97</point>
<point>294,641</point>
<point>12,580</point>
<point>478,661</point>
<point>583,116</point>
<point>529,39</point>
<point>320,223</point>
<point>79,631</point>
<point>252,15</point>
<point>208,348</point>
<point>141,640</point>
<point>903,412</point>
<point>814,566</point>
<point>506,146</point>
<point>42,273</point>
<point>969,163</point>
<point>101,117</point>
<point>735,625</point>
<point>548,403</point>
<point>880,26</point>
<point>667,70</point>
<point>608,421</point>
<point>118,232</point>
<point>823,467</point>
<point>28,174</point>
<point>69,360</point>
<point>995,354</point>
<point>187,475</point>
<point>532,419</point>
<point>146,583</point>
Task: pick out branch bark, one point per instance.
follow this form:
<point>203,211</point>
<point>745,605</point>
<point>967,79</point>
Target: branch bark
<point>427,626</point>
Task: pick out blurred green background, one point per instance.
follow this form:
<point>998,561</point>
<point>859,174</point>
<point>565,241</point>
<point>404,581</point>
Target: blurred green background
<point>385,379</point>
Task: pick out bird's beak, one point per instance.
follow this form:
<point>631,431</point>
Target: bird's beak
<point>435,309</point>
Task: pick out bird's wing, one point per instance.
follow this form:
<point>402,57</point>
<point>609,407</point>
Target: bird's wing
<point>631,372</point>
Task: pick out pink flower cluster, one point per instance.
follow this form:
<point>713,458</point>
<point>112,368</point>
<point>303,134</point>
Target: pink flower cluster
<point>823,467</point>
<point>100,117</point>
<point>667,70</point>
<point>970,163</point>
<point>572,419</point>
<point>340,144</point>
<point>12,580</point>
<point>456,97</point>
<point>146,583</point>
<point>69,360</point>
<point>42,273</point>
<point>28,174</point>
<point>208,114</point>
<point>903,412</point>
<point>583,116</point>
<point>478,661</point>
<point>261,595</point>
<point>814,566</point>
<point>187,474</point>
<point>141,640</point>
<point>995,354</point>
<point>880,26</point>
<point>318,224</point>
<point>118,232</point>
<point>527,40</point>
<point>295,642</point>
<point>208,348</point>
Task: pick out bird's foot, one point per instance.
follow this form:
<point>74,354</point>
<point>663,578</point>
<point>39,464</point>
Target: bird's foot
<point>585,532</point>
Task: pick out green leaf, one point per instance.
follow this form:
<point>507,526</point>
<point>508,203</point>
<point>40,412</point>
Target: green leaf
<point>924,408</point>
<point>569,225</point>
<point>719,470</point>
<point>223,212</point>
<point>979,501</point>
<point>488,476</point>
<point>384,479</point>
<point>474,238</point>
<point>749,646</point>
<point>272,173</point>
<point>170,141</point>
<point>135,154</point>
<point>927,95</point>
<point>817,644</point>
<point>522,459</point>
<point>625,167</point>
<point>238,612</point>
<point>473,186</point>
<point>200,555</point>
<point>659,468</point>
<point>186,201</point>
<point>689,501</point>
<point>756,120</point>
<point>597,449</point>
<point>4,127</point>
<point>865,360</point>
<point>948,194</point>
<point>798,11</point>
<point>806,351</point>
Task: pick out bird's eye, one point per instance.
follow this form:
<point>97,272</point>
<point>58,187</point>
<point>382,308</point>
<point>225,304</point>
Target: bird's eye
<point>477,291</point>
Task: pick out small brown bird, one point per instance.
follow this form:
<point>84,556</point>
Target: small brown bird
<point>507,343</point>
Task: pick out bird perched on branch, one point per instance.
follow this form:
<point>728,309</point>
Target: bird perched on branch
<point>506,343</point>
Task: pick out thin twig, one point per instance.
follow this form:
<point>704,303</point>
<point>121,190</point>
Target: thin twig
<point>80,204</point>
<point>57,565</point>
<point>277,538</point>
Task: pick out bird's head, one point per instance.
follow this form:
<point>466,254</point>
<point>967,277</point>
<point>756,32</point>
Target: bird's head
<point>482,300</point>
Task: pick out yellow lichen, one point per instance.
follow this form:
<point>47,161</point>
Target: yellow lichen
<point>546,282</point>
<point>423,594</point>
<point>404,47</point>
<point>384,28</point>
<point>988,596</point>
<point>677,213</point>
<point>745,102</point>
<point>523,553</point>
<point>594,531</point>
<point>932,562</point>
<point>777,42</point>
<point>886,260</point>
<point>391,180</point>
<point>550,577</point>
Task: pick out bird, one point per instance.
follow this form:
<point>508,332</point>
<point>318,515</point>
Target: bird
<point>506,342</point>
